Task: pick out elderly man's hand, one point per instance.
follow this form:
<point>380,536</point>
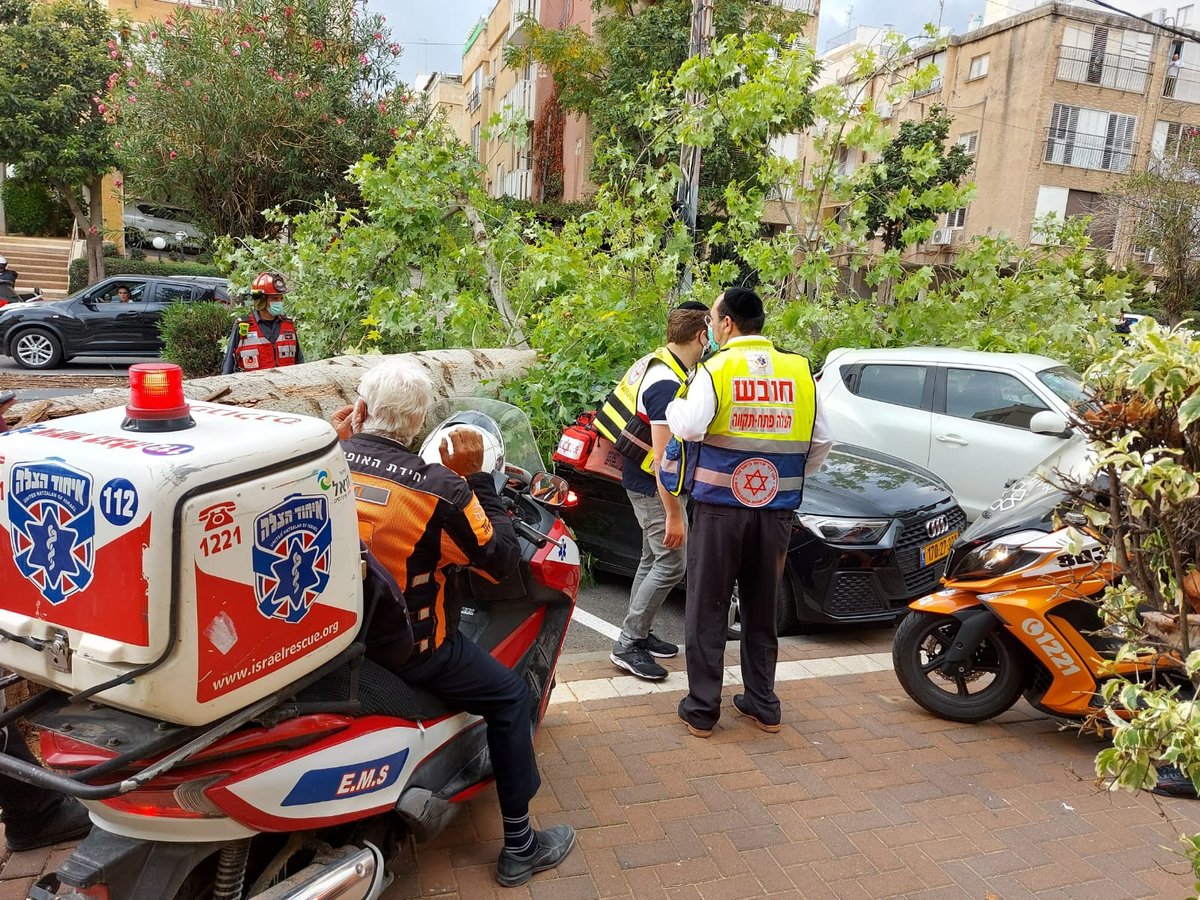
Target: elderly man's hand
<point>465,454</point>
<point>341,422</point>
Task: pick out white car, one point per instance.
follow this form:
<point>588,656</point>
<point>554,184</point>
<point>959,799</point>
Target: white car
<point>146,221</point>
<point>976,419</point>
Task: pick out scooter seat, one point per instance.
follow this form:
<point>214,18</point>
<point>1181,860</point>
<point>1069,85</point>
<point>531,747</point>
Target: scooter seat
<point>380,693</point>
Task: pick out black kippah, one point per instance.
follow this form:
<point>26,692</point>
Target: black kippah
<point>742,302</point>
<point>693,304</point>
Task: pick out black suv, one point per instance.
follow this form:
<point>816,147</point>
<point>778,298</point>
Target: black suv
<point>100,320</point>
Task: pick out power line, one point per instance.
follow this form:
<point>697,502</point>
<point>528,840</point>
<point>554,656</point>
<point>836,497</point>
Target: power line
<point>1190,35</point>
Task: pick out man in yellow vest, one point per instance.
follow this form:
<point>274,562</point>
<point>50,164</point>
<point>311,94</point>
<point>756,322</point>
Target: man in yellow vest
<point>634,419</point>
<point>753,408</point>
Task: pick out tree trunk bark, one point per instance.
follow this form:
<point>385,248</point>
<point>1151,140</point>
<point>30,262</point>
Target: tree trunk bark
<point>313,389</point>
<point>90,222</point>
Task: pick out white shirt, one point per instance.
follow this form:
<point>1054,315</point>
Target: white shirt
<point>690,416</point>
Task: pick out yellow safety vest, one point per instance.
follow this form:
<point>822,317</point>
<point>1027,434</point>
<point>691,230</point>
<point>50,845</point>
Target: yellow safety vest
<point>756,446</point>
<point>618,418</point>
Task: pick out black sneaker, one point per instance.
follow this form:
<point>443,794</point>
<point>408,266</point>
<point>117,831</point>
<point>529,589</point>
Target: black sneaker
<point>67,820</point>
<point>1173,783</point>
<point>660,648</point>
<point>637,661</point>
<point>553,846</point>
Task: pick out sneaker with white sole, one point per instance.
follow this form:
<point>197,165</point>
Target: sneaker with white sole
<point>660,648</point>
<point>637,661</point>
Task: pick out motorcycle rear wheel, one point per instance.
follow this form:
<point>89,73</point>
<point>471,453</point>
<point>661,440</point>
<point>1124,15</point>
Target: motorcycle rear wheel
<point>997,669</point>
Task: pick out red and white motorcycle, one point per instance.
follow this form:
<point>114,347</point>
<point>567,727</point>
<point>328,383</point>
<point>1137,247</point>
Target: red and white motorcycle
<point>188,584</point>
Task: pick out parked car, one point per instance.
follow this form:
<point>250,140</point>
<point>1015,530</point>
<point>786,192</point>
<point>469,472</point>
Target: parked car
<point>870,537</point>
<point>976,419</point>
<point>144,221</point>
<point>95,322</point>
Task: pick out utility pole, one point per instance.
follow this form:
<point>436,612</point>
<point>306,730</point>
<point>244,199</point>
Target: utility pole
<point>687,199</point>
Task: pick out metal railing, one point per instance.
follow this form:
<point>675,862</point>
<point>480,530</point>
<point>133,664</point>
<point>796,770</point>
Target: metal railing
<point>519,184</point>
<point>801,6</point>
<point>518,102</point>
<point>1087,151</point>
<point>1183,86</point>
<point>1111,70</point>
<point>473,100</point>
<point>520,9</point>
<point>932,89</point>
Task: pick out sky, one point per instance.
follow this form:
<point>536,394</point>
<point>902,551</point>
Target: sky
<point>433,33</point>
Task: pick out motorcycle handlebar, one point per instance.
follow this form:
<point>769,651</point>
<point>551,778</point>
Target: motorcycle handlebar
<point>530,533</point>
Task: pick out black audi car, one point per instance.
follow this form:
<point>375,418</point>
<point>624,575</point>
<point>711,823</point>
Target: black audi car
<point>871,536</point>
<point>100,320</point>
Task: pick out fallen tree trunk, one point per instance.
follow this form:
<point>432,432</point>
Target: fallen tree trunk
<point>315,389</point>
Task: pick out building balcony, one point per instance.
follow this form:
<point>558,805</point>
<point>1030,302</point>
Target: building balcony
<point>518,102</point>
<point>473,100</point>
<point>518,34</point>
<point>934,88</point>
<point>1183,86</point>
<point>519,184</point>
<point>1109,70</point>
<point>1087,151</point>
<point>801,6</point>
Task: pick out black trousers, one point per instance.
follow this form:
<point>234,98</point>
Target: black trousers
<point>728,544</point>
<point>467,677</point>
<point>21,805</point>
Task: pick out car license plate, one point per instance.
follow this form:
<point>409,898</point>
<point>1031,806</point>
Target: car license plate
<point>932,552</point>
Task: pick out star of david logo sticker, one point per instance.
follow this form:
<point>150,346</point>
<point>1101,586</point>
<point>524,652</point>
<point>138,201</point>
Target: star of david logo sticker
<point>294,574</point>
<point>755,482</point>
<point>52,527</point>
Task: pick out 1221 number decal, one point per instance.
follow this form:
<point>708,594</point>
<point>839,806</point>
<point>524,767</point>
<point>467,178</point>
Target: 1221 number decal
<point>224,539</point>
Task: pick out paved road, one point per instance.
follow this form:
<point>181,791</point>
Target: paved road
<point>80,365</point>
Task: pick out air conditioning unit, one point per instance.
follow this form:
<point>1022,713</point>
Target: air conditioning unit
<point>1151,257</point>
<point>489,83</point>
<point>941,236</point>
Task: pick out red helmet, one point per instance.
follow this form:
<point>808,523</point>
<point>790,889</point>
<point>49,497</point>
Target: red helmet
<point>268,283</point>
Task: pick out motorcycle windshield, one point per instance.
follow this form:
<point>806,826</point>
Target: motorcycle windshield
<point>520,446</point>
<point>1029,503</point>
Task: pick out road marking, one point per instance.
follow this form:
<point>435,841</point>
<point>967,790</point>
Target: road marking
<point>795,670</point>
<point>597,624</point>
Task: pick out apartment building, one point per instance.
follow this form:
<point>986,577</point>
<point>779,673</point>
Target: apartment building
<point>1056,104</point>
<point>492,88</point>
<point>447,93</point>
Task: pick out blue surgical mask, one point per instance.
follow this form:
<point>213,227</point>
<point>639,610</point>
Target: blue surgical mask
<point>713,346</point>
<point>275,308</point>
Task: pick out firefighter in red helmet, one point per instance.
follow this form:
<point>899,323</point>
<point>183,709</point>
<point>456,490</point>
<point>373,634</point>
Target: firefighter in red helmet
<point>265,339</point>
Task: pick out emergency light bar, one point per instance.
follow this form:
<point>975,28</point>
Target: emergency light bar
<point>156,400</point>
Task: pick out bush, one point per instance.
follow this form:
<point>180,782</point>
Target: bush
<point>110,250</point>
<point>78,271</point>
<point>192,336</point>
<point>31,209</point>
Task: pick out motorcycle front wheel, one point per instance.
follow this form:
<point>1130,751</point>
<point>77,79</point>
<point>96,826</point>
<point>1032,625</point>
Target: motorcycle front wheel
<point>991,684</point>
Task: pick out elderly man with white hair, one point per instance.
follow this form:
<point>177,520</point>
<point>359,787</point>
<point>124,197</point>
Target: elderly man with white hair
<point>419,518</point>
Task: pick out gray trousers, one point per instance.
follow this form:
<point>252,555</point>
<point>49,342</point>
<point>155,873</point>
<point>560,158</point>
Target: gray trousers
<point>659,571</point>
<point>729,544</point>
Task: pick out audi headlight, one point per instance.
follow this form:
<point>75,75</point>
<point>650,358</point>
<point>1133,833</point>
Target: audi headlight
<point>991,559</point>
<point>845,530</point>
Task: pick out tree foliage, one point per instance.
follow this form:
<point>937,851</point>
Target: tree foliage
<point>598,72</point>
<point>1159,205</point>
<point>914,180</point>
<point>590,291</point>
<point>51,78</point>
<point>265,104</point>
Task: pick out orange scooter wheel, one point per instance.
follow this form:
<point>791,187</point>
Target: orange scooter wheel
<point>990,682</point>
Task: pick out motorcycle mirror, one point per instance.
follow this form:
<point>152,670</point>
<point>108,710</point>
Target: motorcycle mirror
<point>1050,422</point>
<point>548,489</point>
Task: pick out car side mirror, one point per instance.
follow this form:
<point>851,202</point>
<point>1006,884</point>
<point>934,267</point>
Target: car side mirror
<point>1051,423</point>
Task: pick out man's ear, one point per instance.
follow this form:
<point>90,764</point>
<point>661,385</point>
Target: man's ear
<point>358,415</point>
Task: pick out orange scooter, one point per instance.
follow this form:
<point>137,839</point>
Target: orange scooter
<point>1017,615</point>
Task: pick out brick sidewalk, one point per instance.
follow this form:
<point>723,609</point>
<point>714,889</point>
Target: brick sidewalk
<point>861,795</point>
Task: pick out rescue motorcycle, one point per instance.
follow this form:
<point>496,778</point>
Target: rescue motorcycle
<point>1017,615</point>
<point>250,750</point>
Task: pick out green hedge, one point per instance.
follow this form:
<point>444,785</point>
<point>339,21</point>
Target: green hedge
<point>554,212</point>
<point>31,209</point>
<point>118,266</point>
<point>193,335</point>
